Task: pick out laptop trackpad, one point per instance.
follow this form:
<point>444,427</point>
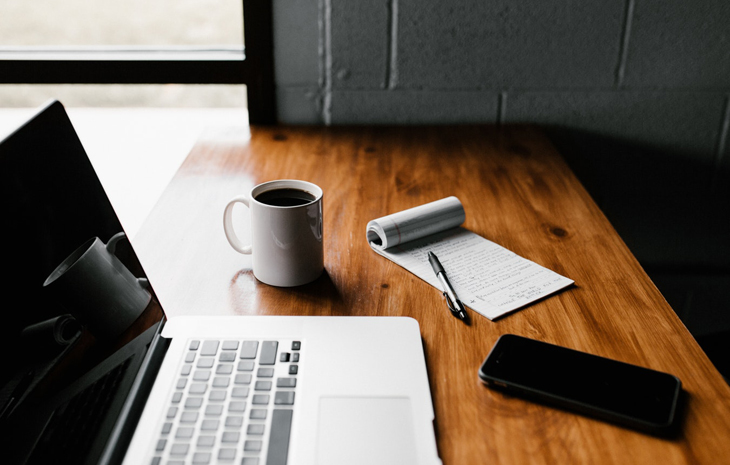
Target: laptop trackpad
<point>365,430</point>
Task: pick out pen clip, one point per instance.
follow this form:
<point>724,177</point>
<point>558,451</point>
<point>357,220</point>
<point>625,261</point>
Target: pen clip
<point>450,304</point>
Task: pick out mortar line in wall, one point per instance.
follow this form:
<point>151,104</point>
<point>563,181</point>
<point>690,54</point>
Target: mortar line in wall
<point>624,45</point>
<point>501,107</point>
<point>327,52</point>
<point>391,47</point>
<point>721,144</point>
<point>320,45</point>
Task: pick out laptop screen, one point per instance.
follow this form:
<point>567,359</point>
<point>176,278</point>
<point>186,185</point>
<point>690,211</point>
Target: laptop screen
<point>73,288</point>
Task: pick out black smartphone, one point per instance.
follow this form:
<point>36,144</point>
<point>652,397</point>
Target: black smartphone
<point>626,394</point>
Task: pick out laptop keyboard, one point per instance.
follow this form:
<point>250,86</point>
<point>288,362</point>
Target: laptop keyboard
<point>232,403</point>
<point>72,429</point>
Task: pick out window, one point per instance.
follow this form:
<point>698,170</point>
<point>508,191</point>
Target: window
<point>141,42</point>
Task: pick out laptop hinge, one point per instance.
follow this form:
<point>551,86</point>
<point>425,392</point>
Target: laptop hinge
<point>135,402</point>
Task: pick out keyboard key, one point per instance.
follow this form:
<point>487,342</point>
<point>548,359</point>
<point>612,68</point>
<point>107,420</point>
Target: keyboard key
<point>226,454</point>
<point>231,437</point>
<point>293,369</point>
<point>213,410</point>
<point>161,445</point>
<point>234,421</point>
<point>166,428</point>
<point>185,370</point>
<point>284,398</point>
<point>258,414</point>
<point>249,349</point>
<point>286,382</point>
<point>284,357</point>
<point>206,441</point>
<point>221,381</point>
<point>171,412</point>
<point>230,345</point>
<point>242,378</point>
<point>265,372</point>
<point>295,357</point>
<point>210,425</point>
<point>177,397</point>
<point>206,362</point>
<point>217,395</point>
<point>250,461</point>
<point>279,437</point>
<point>194,345</point>
<point>156,461</point>
<point>252,445</point>
<point>209,348</point>
<point>260,399</point>
<point>255,429</point>
<point>262,386</point>
<point>237,406</point>
<point>239,392</point>
<point>184,432</point>
<point>181,383</point>
<point>224,369</point>
<point>227,357</point>
<point>193,402</point>
<point>245,365</point>
<point>201,458</point>
<point>198,388</point>
<point>189,417</point>
<point>268,353</point>
<point>190,357</point>
<point>296,345</point>
<point>201,375</point>
<point>179,449</point>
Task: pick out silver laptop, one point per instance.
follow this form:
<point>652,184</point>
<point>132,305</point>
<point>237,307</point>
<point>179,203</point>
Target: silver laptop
<point>185,390</point>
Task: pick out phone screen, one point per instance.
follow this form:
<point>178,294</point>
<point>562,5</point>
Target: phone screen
<point>606,388</point>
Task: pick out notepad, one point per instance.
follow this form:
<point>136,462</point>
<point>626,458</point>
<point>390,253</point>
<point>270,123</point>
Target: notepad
<point>488,278</point>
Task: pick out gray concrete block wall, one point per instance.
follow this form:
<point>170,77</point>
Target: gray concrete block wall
<point>682,122</point>
<point>679,44</point>
<point>506,44</point>
<point>582,64</point>
<point>359,44</point>
<point>653,72</point>
<point>650,72</point>
<point>400,106</point>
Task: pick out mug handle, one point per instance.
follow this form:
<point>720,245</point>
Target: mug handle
<point>228,225</point>
<point>111,247</point>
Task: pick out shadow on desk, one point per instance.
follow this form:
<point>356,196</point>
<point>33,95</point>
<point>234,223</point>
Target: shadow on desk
<point>673,211</point>
<point>323,292</point>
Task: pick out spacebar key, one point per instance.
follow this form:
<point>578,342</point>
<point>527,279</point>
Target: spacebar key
<point>279,438</point>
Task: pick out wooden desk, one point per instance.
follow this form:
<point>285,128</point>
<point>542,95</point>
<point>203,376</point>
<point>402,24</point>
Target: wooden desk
<point>517,191</point>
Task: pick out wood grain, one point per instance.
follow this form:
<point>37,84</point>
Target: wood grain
<point>518,192</point>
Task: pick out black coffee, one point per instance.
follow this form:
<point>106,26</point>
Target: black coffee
<point>285,197</point>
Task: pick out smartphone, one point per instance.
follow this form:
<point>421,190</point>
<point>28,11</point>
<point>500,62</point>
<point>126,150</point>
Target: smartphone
<point>607,389</point>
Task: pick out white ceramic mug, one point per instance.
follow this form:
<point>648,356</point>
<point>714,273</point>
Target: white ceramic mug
<point>98,289</point>
<point>286,234</point>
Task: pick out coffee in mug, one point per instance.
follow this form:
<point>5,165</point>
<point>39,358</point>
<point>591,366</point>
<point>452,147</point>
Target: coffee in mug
<point>286,231</point>
<point>285,197</point>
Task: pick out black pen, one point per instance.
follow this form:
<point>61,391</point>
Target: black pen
<point>455,305</point>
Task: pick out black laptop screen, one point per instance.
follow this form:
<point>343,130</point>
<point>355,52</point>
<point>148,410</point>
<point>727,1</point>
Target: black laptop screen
<point>67,264</point>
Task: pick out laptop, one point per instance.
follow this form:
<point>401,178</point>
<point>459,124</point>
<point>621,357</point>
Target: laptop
<point>82,384</point>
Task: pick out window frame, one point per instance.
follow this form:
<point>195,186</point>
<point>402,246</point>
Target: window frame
<point>252,65</point>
